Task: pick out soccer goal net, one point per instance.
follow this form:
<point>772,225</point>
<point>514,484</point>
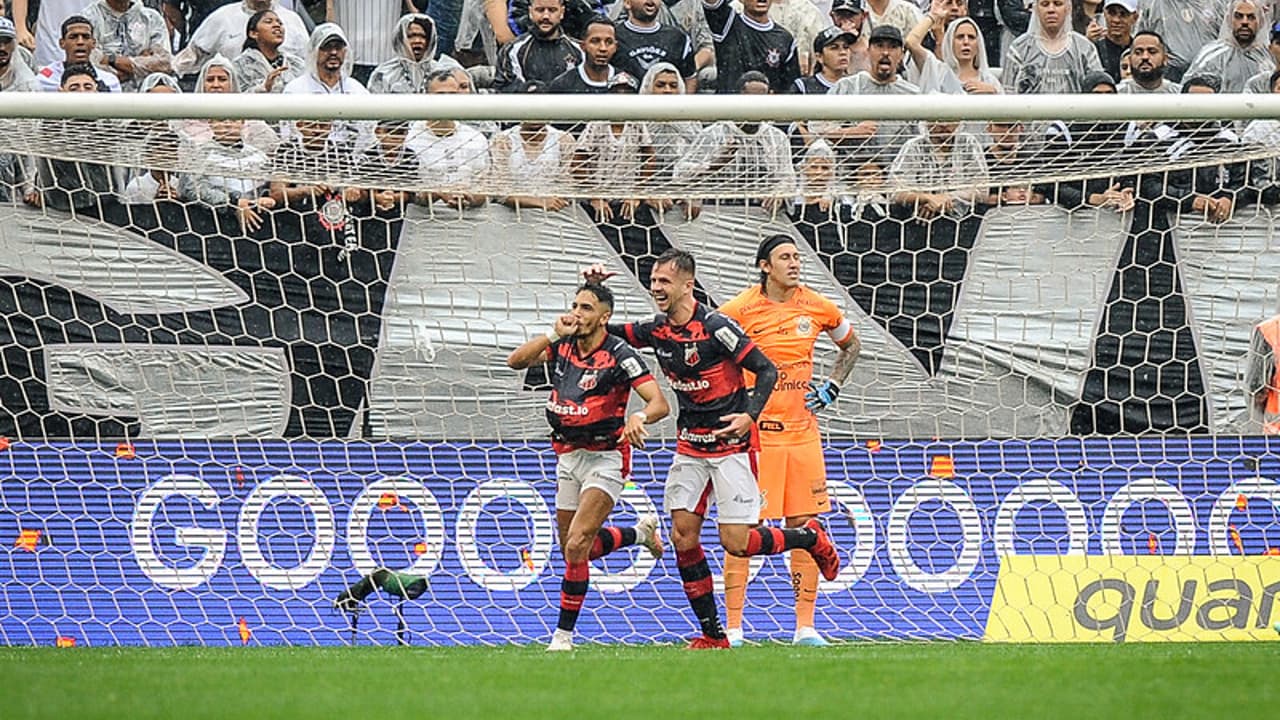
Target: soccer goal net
<point>254,352</point>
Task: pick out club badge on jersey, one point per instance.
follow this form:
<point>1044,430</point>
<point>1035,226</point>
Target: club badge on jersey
<point>588,380</point>
<point>691,354</point>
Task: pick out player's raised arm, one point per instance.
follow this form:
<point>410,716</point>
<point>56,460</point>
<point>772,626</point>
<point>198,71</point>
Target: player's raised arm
<point>655,408</point>
<point>535,350</point>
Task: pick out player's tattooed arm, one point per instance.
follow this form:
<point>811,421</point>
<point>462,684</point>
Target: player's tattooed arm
<point>845,359</point>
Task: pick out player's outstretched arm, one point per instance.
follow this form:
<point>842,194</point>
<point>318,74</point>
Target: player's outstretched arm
<point>534,351</point>
<point>655,408</point>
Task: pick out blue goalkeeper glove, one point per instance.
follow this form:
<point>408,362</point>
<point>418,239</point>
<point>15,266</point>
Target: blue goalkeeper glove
<point>821,395</point>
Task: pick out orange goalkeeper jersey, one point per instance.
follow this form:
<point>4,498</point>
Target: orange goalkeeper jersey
<point>786,333</point>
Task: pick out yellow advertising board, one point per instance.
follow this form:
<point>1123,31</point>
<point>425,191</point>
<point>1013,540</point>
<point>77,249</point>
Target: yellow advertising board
<point>1123,598</point>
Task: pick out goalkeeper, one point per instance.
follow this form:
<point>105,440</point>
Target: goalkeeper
<point>783,318</point>
<point>592,376</point>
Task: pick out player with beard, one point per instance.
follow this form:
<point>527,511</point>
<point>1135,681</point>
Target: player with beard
<point>542,55</point>
<point>592,378</point>
<point>704,354</point>
<point>644,42</point>
<point>1148,60</point>
<point>750,40</point>
<point>592,75</point>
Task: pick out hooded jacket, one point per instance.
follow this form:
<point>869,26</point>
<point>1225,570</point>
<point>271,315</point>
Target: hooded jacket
<point>138,33</point>
<point>403,74</point>
<point>310,83</point>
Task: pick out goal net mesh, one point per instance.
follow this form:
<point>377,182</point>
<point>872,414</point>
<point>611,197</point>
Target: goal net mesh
<point>246,363</point>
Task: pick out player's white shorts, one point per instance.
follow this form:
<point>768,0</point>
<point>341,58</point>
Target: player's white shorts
<point>581,469</point>
<point>729,481</point>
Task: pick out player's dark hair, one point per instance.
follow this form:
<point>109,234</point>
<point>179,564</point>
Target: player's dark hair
<point>1153,34</point>
<point>603,294</point>
<point>765,249</point>
<point>74,20</point>
<point>682,260</point>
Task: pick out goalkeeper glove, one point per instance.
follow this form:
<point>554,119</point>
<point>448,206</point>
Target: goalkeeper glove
<point>821,395</point>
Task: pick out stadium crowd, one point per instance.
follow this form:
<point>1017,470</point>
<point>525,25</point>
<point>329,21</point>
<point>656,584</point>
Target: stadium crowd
<point>864,47</point>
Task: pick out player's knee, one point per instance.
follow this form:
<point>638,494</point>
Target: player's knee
<point>684,539</point>
<point>577,546</point>
<point>735,546</point>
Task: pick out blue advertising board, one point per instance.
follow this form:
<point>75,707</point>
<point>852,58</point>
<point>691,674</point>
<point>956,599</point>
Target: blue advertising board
<point>229,542</point>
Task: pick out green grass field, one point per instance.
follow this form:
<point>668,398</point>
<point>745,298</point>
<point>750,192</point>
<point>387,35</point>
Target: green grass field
<point>857,680</point>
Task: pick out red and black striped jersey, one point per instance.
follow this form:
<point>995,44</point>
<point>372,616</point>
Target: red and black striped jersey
<point>588,404</point>
<point>702,360</point>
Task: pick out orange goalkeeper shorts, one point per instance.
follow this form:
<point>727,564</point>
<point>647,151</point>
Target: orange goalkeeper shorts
<point>793,478</point>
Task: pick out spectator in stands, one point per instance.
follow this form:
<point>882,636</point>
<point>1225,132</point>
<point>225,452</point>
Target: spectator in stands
<point>79,48</point>
<point>750,41</point>
<point>898,14</point>
<point>223,33</point>
<point>1261,82</point>
<point>941,13</point>
<point>1239,52</point>
<point>414,43</point>
<point>754,157</point>
<point>940,157</point>
<point>1211,191</point>
<point>618,156</point>
<point>804,21</point>
<point>466,86</point>
<point>219,76</point>
<point>686,15</point>
<point>1089,143</point>
<point>17,172</point>
<point>328,66</point>
<point>228,173</point>
<point>15,76</point>
<point>644,41</point>
<point>452,156</point>
<point>133,39</point>
<point>963,67</point>
<point>1118,36</point>
<point>594,73</point>
<point>366,23</point>
<point>263,65</point>
<point>1264,173</point>
<point>1086,19</point>
<point>1186,26</point>
<point>1148,61</point>
<point>152,183</point>
<point>1007,153</point>
<point>1051,57</point>
<point>541,55</point>
<point>818,188</point>
<point>670,140</point>
<point>987,19</point>
<point>1125,70</point>
<point>528,159</point>
<point>312,149</point>
<point>871,142</point>
<point>831,51</point>
<point>67,185</point>
<point>1015,18</point>
<point>390,165</point>
<point>50,16</point>
<point>848,15</point>
<point>577,13</point>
